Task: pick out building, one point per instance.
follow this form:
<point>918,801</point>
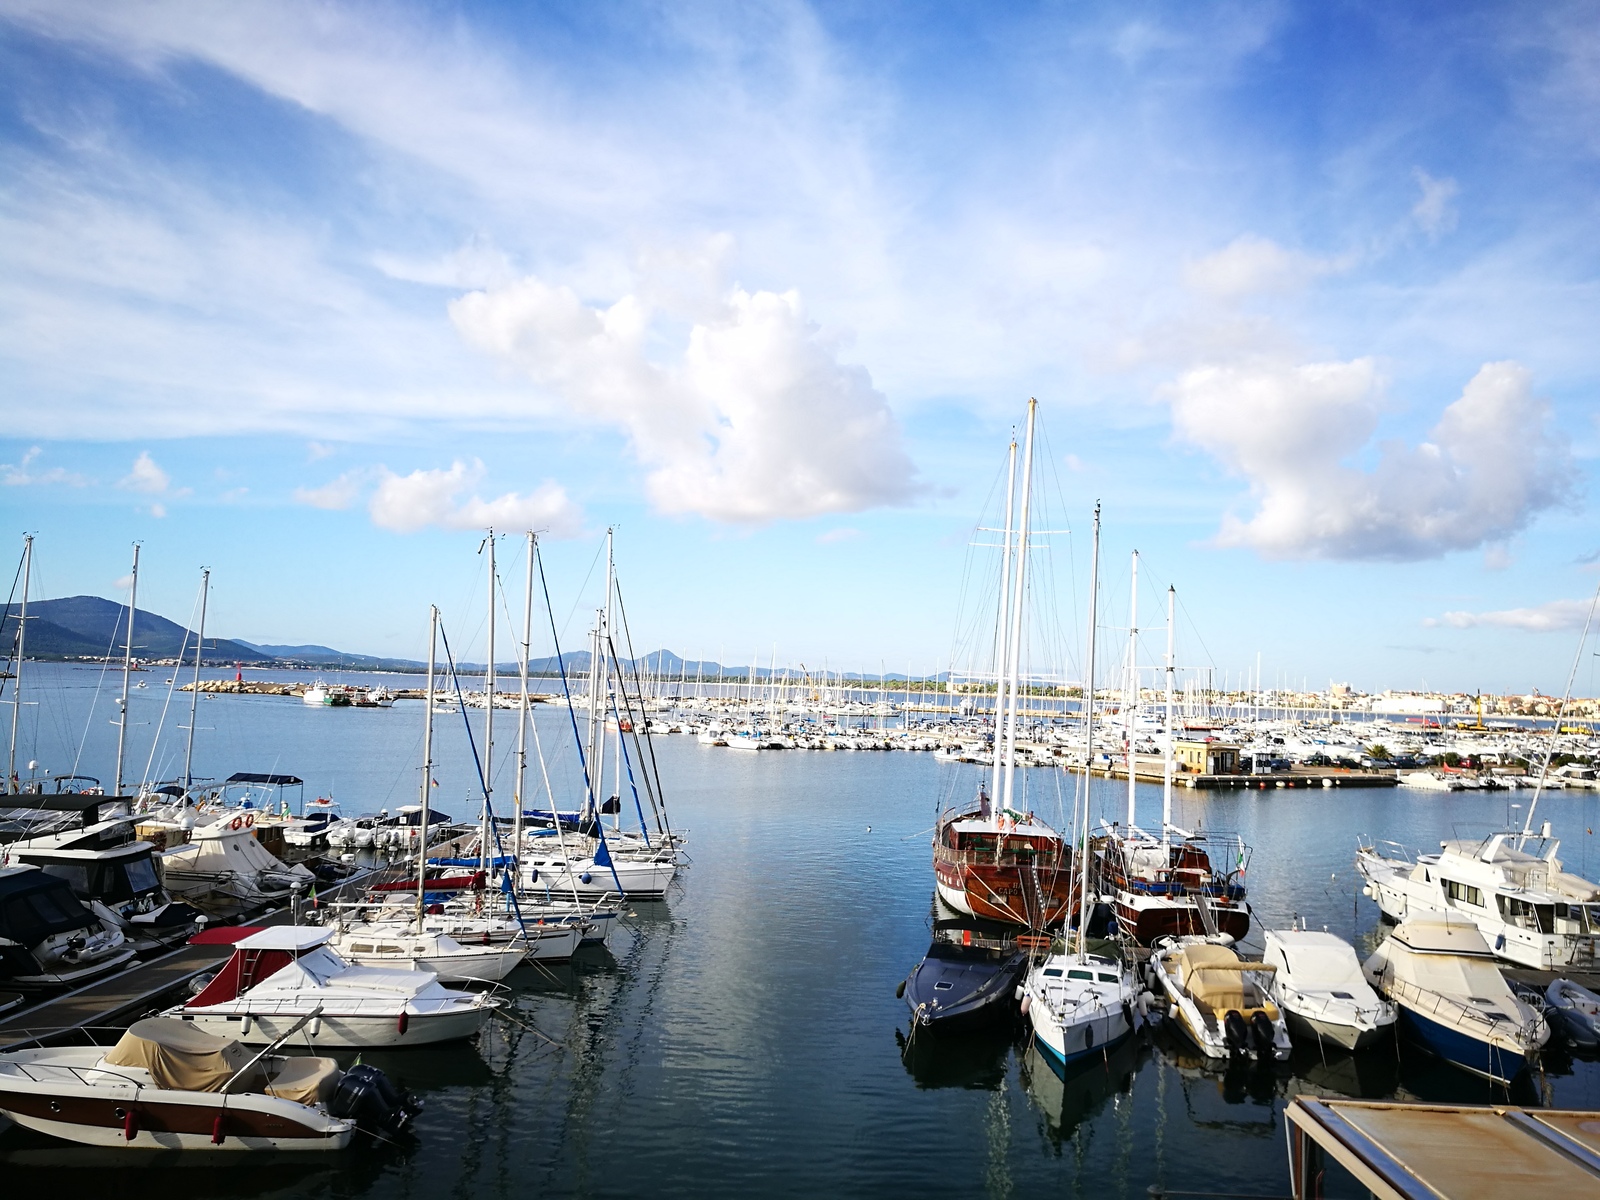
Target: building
<point>1208,757</point>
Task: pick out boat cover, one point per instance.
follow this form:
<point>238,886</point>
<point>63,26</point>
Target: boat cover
<point>181,1057</point>
<point>303,1080</point>
<point>1214,976</point>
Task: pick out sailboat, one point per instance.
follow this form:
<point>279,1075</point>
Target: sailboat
<point>1161,886</point>
<point>991,859</point>
<point>1081,1004</point>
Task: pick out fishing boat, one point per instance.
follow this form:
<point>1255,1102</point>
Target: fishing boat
<point>278,975</point>
<point>1319,985</point>
<point>1453,1001</point>
<point>1220,1001</point>
<point>992,858</point>
<point>166,1085</point>
<point>1510,885</point>
<point>54,940</point>
<point>967,980</point>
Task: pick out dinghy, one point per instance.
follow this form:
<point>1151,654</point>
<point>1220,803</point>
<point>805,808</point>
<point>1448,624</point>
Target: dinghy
<point>1574,1011</point>
<point>1319,985</point>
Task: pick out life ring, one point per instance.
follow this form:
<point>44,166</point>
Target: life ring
<point>249,820</point>
<point>237,821</point>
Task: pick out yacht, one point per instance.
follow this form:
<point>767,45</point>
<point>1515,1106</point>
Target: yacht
<point>224,871</point>
<point>51,940</point>
<point>1510,885</point>
<point>1166,887</point>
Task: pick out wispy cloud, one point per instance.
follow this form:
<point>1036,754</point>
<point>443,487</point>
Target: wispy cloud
<point>26,474</point>
<point>145,476</point>
<point>1556,616</point>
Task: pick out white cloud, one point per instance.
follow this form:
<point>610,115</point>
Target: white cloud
<point>316,451</point>
<point>1556,616</point>
<point>341,493</point>
<point>407,503</point>
<point>158,510</point>
<point>1435,210</point>
<point>146,476</point>
<point>23,474</point>
<point>757,420</point>
<point>477,264</point>
<point>1490,464</point>
<point>1251,265</point>
<point>843,534</point>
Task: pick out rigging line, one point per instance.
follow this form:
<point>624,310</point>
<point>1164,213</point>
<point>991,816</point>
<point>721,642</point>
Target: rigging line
<point>105,665</point>
<point>655,769</point>
<point>627,761</point>
<point>561,663</point>
<point>622,689</point>
<point>567,624</point>
<point>172,685</point>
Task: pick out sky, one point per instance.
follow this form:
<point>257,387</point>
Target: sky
<point>313,293</point>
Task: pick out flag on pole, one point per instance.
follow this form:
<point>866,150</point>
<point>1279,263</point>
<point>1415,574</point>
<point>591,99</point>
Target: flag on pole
<point>313,895</point>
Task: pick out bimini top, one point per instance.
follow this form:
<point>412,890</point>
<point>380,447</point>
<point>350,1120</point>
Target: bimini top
<point>294,938</point>
<point>273,780</point>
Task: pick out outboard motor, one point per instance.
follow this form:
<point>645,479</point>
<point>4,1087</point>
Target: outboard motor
<point>1262,1035</point>
<point>379,1108</point>
<point>1235,1032</point>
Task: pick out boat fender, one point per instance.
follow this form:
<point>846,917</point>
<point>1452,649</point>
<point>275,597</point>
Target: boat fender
<point>244,1025</point>
<point>316,1026</point>
<point>900,990</point>
<point>1027,1003</point>
<point>1127,1012</point>
<point>1235,1033</point>
<point>402,1022</point>
<point>585,877</point>
<point>533,874</point>
<point>130,1124</point>
<point>1261,1034</point>
<point>1144,1004</point>
<point>217,1135</point>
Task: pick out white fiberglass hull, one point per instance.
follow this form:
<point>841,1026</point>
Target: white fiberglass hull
<point>1345,1036</point>
<point>349,1031</point>
<point>476,965</point>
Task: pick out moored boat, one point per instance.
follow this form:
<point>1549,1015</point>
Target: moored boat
<point>1219,1000</point>
<point>967,980</point>
<point>1319,985</point>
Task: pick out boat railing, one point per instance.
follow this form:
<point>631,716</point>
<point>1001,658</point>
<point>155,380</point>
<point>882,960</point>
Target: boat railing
<point>1436,1003</point>
<point>45,1073</point>
<point>1404,853</point>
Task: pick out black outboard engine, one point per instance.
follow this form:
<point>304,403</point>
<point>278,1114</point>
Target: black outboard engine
<point>379,1108</point>
<point>1235,1032</point>
<point>1261,1035</point>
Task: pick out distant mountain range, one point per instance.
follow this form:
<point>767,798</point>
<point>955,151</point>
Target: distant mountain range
<point>92,627</point>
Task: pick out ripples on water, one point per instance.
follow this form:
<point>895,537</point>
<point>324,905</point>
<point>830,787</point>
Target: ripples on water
<point>744,1037</point>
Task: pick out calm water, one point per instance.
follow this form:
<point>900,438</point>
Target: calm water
<point>744,1036</point>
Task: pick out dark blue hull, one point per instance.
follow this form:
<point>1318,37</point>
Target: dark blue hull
<point>957,988</point>
<point>1462,1049</point>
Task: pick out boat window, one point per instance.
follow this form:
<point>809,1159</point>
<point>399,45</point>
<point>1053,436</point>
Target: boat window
<point>141,875</point>
<point>1463,893</point>
<point>360,948</point>
<point>1104,978</point>
<point>944,985</point>
<point>75,873</point>
<point>30,918</point>
<point>1052,972</point>
<point>1089,975</point>
<point>1342,996</point>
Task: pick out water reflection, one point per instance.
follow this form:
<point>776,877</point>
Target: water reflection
<point>978,1059</point>
<point>1066,1101</point>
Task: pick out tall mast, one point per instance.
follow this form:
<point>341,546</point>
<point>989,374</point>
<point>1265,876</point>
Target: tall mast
<point>1002,627</point>
<point>1166,766</point>
<point>1131,701</point>
<point>194,698</point>
<point>427,764</point>
<point>1016,605</point>
<point>1088,743</point>
<point>127,666</point>
<point>608,647</point>
<point>484,854</point>
<point>12,783</point>
<point>522,723</point>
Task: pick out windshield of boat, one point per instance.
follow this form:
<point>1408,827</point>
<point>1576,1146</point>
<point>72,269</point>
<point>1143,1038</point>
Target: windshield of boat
<point>32,916</point>
<point>142,875</point>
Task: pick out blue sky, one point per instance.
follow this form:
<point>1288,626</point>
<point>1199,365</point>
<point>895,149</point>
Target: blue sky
<point>308,293</point>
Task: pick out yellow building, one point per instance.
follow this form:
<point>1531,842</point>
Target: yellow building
<point>1206,758</point>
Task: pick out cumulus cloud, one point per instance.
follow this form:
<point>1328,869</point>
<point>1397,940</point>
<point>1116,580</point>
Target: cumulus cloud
<point>407,503</point>
<point>1435,210</point>
<point>1556,616</point>
<point>1251,265</point>
<point>341,493</point>
<point>1490,464</point>
<point>755,420</point>
<point>25,474</point>
<point>146,476</point>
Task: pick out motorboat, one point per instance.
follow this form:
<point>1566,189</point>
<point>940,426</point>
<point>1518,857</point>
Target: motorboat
<point>1453,1001</point>
<point>328,695</point>
<point>1168,887</point>
<point>966,980</point>
<point>1574,1011</point>
<point>1510,885</point>
<point>588,870</point>
<point>393,944</point>
<point>1319,985</point>
<point>1431,781</point>
<point>55,941</point>
<point>166,1085</point>
<point>223,870</point>
<point>278,975</point>
<point>1080,1005</point>
<point>1219,1000</point>
<point>311,828</point>
<point>114,875</point>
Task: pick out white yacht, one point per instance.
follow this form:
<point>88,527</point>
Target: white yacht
<point>1511,886</point>
<point>1319,985</point>
<point>225,871</point>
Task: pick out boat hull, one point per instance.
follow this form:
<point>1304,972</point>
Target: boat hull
<point>1063,1061</point>
<point>1003,893</point>
<point>1147,920</point>
<point>1493,1062</point>
<point>1346,1037</point>
<point>347,1031</point>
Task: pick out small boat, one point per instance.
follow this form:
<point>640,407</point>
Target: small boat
<point>1320,987</point>
<point>283,973</point>
<point>396,945</point>
<point>54,941</point>
<point>316,816</point>
<point>1220,1000</point>
<point>1453,1000</point>
<point>223,870</point>
<point>166,1085</point>
<point>966,980</point>
<point>1080,1005</point>
<point>1575,1011</point>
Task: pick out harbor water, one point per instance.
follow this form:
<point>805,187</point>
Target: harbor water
<point>744,1036</point>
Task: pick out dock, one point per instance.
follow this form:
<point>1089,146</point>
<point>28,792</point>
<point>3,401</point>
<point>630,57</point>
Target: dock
<point>1402,1151</point>
<point>1300,777</point>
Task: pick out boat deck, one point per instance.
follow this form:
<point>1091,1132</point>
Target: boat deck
<point>1403,1151</point>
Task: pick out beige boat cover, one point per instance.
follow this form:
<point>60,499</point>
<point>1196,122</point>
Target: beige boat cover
<point>184,1058</point>
<point>303,1080</point>
<point>1214,977</point>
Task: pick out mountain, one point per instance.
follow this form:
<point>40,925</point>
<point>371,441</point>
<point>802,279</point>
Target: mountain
<point>93,627</point>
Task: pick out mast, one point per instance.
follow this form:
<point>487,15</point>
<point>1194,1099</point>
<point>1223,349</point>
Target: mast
<point>427,765</point>
<point>12,784</point>
<point>1166,766</point>
<point>194,699</point>
<point>605,680</point>
<point>1555,732</point>
<point>488,718</point>
<point>127,666</point>
<point>1131,702</point>
<point>1088,743</point>
<point>522,722</point>
<point>1002,628</point>
<point>1016,604</point>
